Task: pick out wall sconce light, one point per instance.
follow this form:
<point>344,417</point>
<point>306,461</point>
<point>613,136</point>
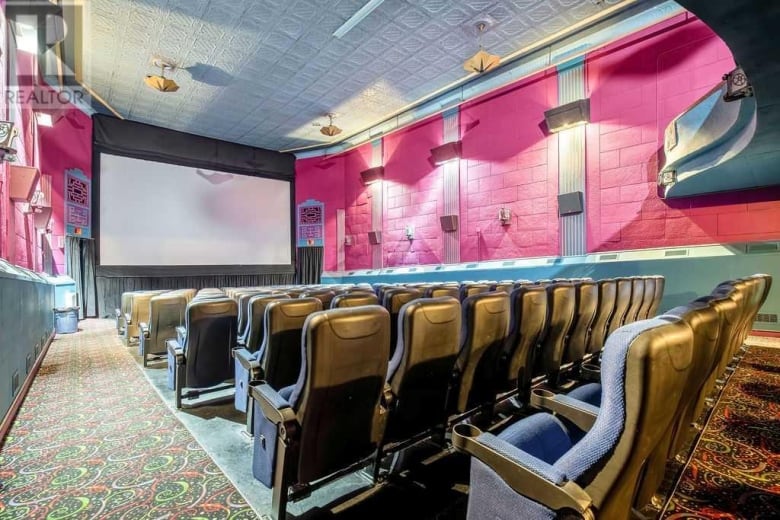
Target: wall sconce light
<point>372,175</point>
<point>409,230</point>
<point>505,216</point>
<point>374,237</point>
<point>446,152</point>
<point>567,116</point>
<point>348,240</point>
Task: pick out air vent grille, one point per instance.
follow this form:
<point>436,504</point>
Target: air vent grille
<point>767,318</point>
<point>29,363</point>
<point>611,256</point>
<point>508,263</point>
<point>412,269</point>
<point>389,271</point>
<point>471,266</point>
<point>676,252</point>
<point>763,247</point>
<point>14,383</point>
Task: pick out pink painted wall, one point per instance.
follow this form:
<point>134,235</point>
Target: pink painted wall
<point>509,161</point>
<point>637,86</point>
<point>66,145</point>
<point>413,195</point>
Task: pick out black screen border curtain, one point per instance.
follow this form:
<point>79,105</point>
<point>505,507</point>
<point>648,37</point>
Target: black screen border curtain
<point>308,265</point>
<point>80,265</point>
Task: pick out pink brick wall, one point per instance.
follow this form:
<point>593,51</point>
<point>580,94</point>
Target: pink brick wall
<point>509,161</point>
<point>637,86</point>
<point>413,195</point>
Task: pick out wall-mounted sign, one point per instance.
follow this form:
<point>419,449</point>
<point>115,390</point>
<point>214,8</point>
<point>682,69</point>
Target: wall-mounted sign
<point>78,204</point>
<point>311,223</point>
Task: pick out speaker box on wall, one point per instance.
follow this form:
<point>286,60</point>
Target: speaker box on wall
<point>570,203</point>
<point>449,222</point>
<point>372,175</point>
<point>374,237</point>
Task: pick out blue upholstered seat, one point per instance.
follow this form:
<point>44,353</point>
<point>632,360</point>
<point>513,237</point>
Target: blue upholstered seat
<point>589,393</point>
<point>540,456</point>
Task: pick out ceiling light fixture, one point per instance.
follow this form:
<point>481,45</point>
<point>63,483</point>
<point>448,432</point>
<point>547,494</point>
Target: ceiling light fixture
<point>330,129</point>
<point>482,61</point>
<point>161,83</point>
<point>357,18</point>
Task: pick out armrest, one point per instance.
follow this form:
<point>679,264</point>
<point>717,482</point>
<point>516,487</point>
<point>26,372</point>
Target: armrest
<point>127,318</point>
<point>246,358</point>
<point>525,474</point>
<point>181,334</point>
<point>175,349</point>
<point>144,329</point>
<point>583,415</point>
<point>275,408</point>
<point>117,313</point>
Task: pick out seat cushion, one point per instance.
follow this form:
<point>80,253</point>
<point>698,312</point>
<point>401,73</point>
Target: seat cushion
<point>542,435</point>
<point>589,393</point>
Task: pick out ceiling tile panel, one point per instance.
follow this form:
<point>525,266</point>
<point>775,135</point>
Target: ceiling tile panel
<point>260,71</point>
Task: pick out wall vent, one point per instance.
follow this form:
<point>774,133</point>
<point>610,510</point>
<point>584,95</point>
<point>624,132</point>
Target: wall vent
<point>14,383</point>
<point>438,268</point>
<point>38,350</point>
<point>611,256</point>
<point>29,363</point>
<point>350,273</point>
<point>676,252</point>
<point>413,270</point>
<point>389,271</point>
<point>551,261</point>
<point>763,247</point>
<point>471,266</point>
<point>766,318</point>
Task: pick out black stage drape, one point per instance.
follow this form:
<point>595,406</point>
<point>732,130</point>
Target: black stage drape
<point>80,265</point>
<point>308,265</point>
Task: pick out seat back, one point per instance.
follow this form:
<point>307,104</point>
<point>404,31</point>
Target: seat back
<point>242,298</point>
<point>139,312</point>
<point>211,335</point>
<point>393,299</point>
<point>561,302</point>
<point>280,352</point>
<point>484,327</point>
<point>255,329</point>
<point>641,361</point>
<point>421,367</point>
<point>438,291</point>
<point>470,289</point>
<point>606,306</point>
<point>337,396</point>
<point>166,312</point>
<point>622,303</point>
<point>704,321</point>
<point>324,296</point>
<point>637,298</point>
<point>354,299</point>
<point>528,317</point>
<point>503,287</point>
<point>647,299</point>
<point>587,302</point>
<point>660,282</point>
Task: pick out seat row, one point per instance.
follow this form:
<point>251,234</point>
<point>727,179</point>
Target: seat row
<point>604,449</point>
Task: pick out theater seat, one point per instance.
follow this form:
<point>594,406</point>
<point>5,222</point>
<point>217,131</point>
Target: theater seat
<point>393,298</point>
<point>255,331</point>
<point>354,299</point>
<point>471,288</point>
<point>205,359</point>
<point>324,296</point>
<point>139,313</point>
<point>421,367</point>
<point>606,306</point>
<point>622,303</point>
<point>437,291</point>
<point>484,327</point>
<point>166,312</point>
<point>637,298</point>
<point>528,317</point>
<point>660,283</point>
<point>647,299</point>
<point>586,304</point>
<point>561,305</point>
<point>536,468</point>
<point>280,348</point>
<point>331,418</point>
<point>122,311</point>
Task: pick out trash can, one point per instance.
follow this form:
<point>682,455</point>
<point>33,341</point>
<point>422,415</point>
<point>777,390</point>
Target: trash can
<point>66,320</point>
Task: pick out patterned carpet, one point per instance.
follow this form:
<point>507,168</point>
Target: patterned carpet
<point>735,470</point>
<point>94,440</point>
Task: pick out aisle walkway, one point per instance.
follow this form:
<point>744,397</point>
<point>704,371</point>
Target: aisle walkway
<point>94,440</point>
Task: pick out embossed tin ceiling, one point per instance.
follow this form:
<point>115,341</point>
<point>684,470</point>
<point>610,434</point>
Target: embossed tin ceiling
<point>259,72</point>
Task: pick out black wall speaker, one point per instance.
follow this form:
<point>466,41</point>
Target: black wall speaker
<point>570,203</point>
<point>449,222</point>
<point>374,237</point>
<point>372,175</point>
<point>568,115</point>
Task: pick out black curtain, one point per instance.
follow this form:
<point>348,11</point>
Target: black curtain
<point>308,265</point>
<point>80,265</point>
<point>110,288</point>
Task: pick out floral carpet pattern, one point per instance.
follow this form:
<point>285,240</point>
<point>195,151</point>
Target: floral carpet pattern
<point>94,440</point>
<point>735,470</point>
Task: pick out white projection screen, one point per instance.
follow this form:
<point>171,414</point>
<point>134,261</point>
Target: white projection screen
<point>158,214</point>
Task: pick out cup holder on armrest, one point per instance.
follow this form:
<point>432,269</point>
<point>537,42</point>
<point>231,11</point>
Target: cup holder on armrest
<point>591,372</point>
<point>540,397</point>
